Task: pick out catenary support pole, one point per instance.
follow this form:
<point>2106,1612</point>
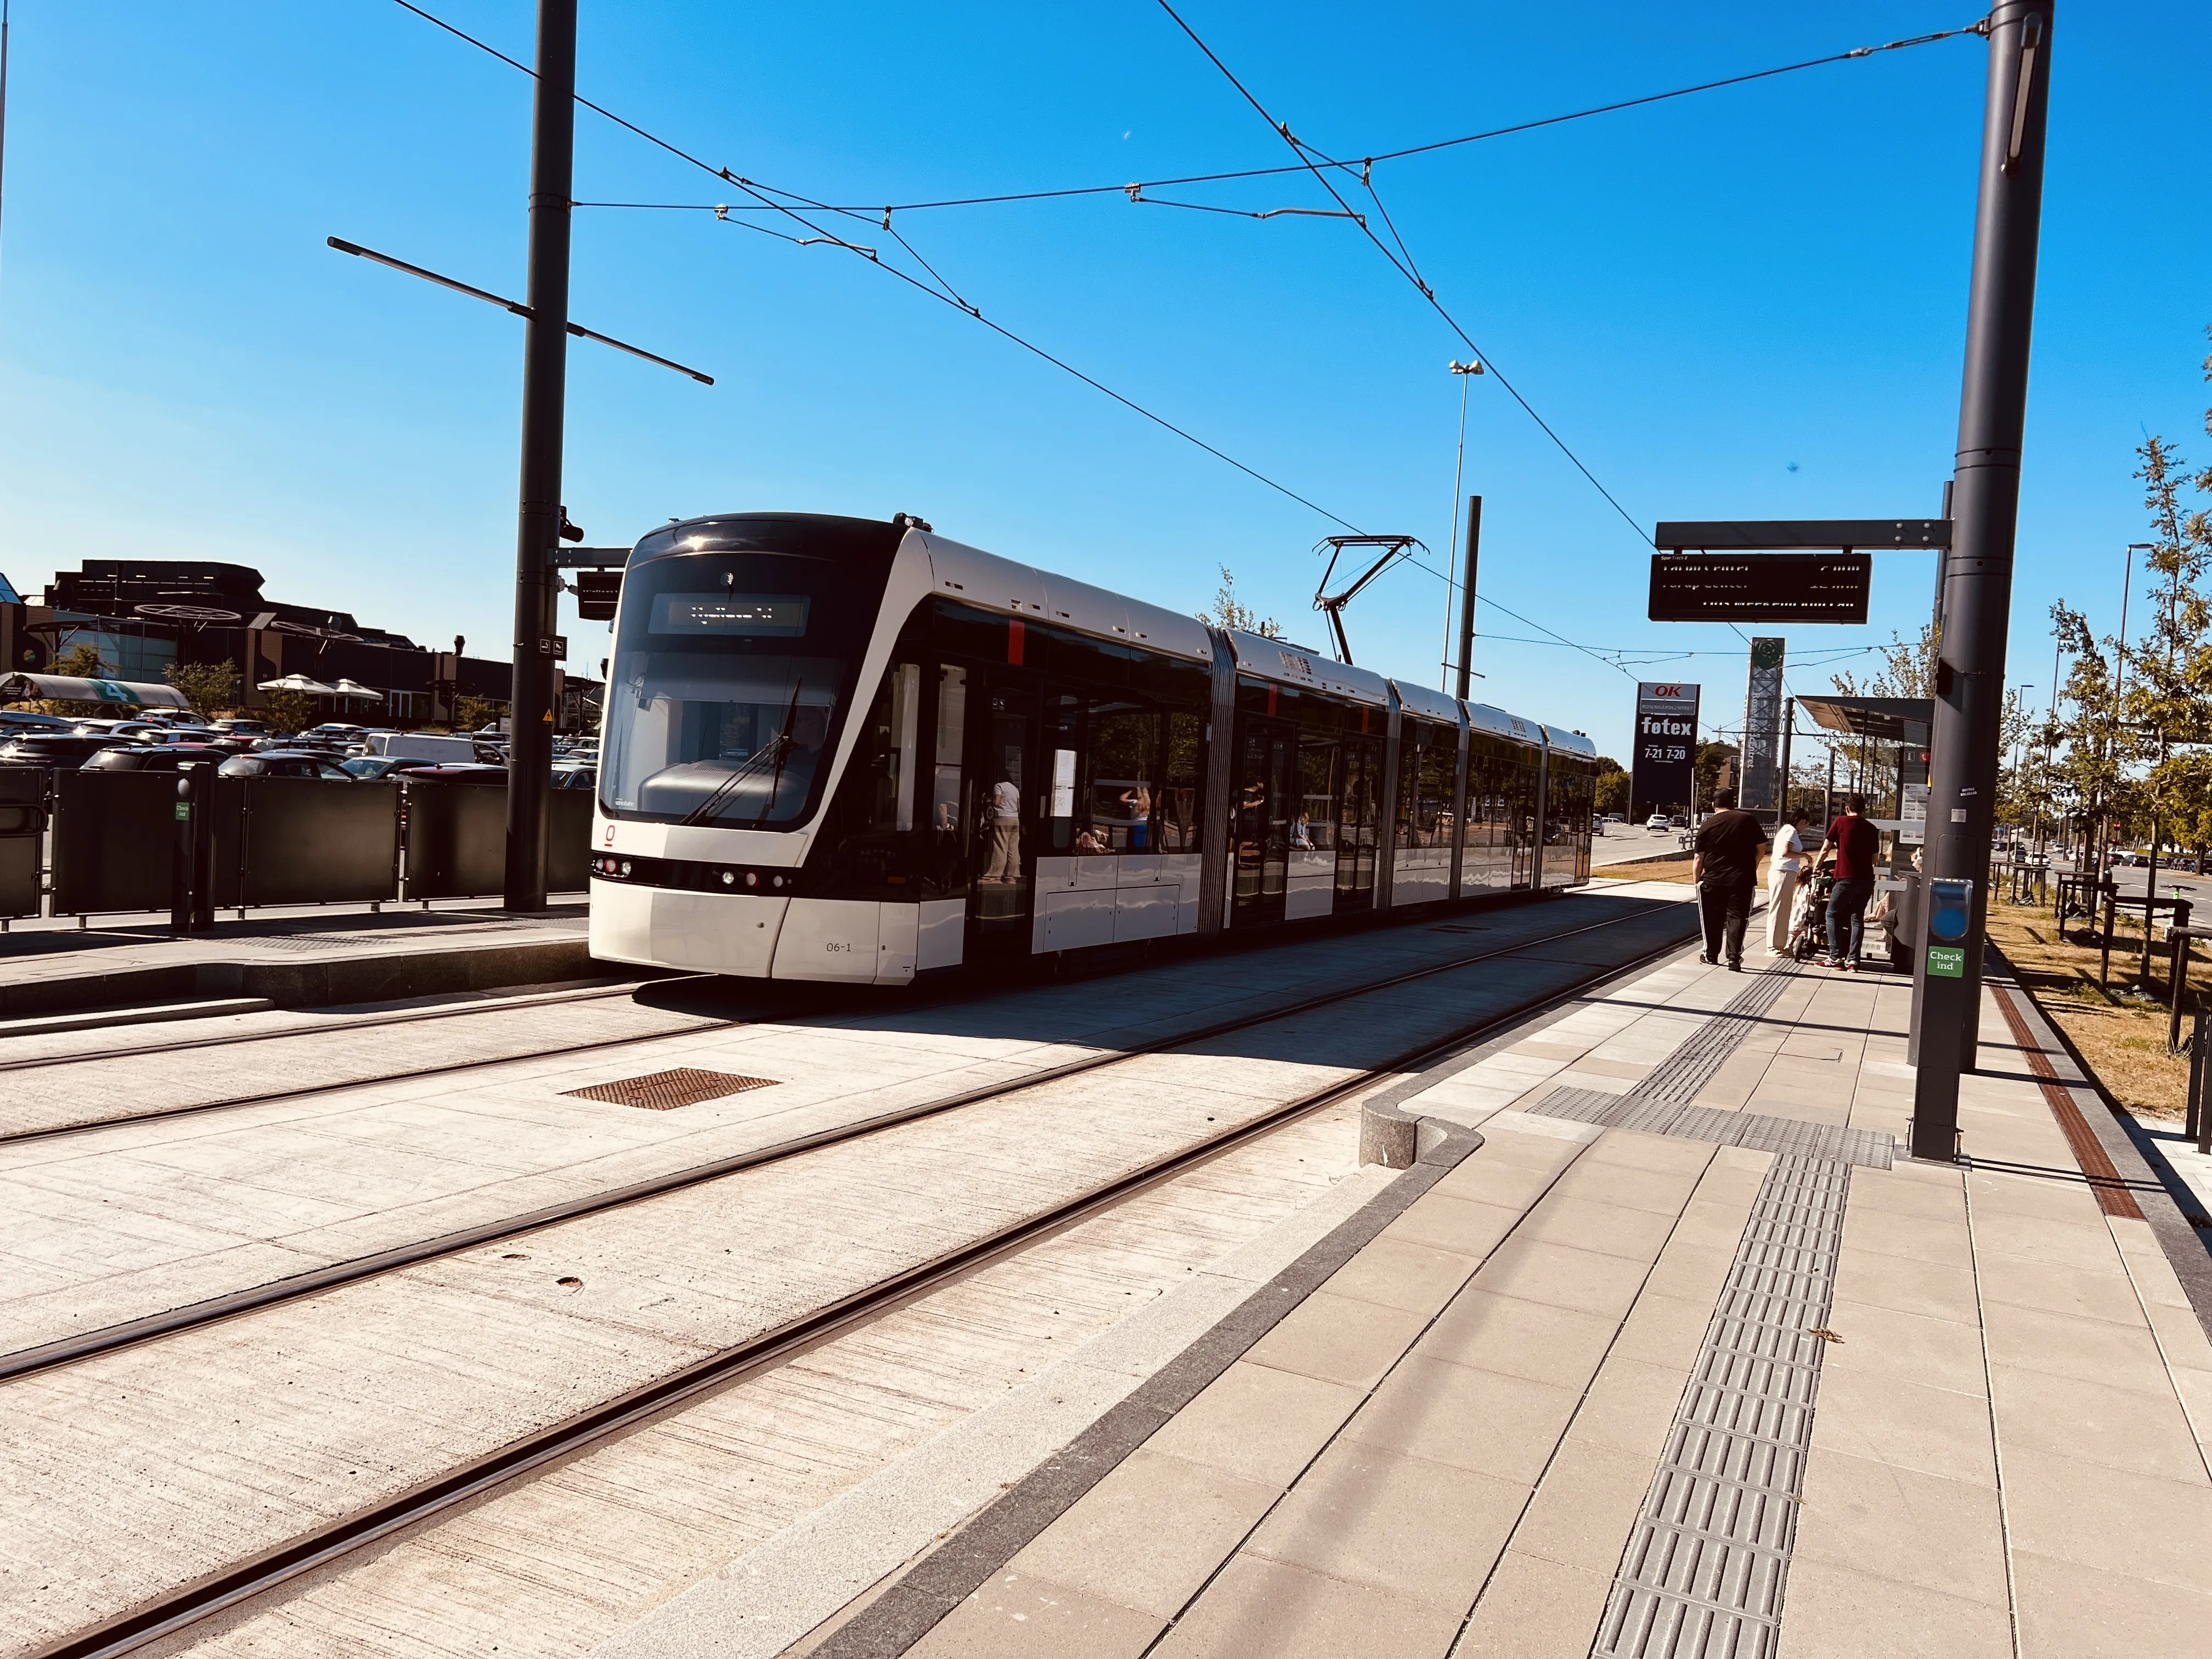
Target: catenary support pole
<point>544,384</point>
<point>1467,599</point>
<point>1978,568</point>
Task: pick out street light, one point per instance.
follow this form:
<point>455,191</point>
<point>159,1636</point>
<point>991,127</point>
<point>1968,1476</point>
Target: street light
<point>1466,371</point>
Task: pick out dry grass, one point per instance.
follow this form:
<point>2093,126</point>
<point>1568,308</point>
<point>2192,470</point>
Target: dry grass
<point>2123,1037</point>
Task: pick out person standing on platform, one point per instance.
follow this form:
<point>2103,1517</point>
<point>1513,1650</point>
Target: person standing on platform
<point>1854,844</point>
<point>1006,866</point>
<point>1782,871</point>
<point>1725,867</point>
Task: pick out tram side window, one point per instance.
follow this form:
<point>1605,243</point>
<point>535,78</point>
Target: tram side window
<point>1176,803</point>
<point>1432,806</point>
<point>945,776</point>
<point>1320,768</point>
<point>1124,753</point>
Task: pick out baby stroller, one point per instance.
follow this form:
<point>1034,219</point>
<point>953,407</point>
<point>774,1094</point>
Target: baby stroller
<point>1808,917</point>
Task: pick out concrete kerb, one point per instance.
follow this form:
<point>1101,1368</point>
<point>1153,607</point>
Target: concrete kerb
<point>308,981</point>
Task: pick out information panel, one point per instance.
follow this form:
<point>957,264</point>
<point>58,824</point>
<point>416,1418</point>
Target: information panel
<point>1760,588</point>
<point>1661,779</point>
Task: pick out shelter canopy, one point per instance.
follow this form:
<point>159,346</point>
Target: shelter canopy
<point>67,688</point>
<point>1887,720</point>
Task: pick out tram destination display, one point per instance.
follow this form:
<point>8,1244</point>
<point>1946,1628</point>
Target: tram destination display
<point>1760,588</point>
<point>1662,775</point>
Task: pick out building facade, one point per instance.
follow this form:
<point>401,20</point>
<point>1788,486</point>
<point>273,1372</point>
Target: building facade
<point>145,615</point>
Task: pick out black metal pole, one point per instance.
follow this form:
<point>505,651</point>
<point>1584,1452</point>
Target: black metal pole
<point>1467,603</point>
<point>545,385</point>
<point>1978,568</point>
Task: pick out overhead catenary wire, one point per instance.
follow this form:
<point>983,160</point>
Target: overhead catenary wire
<point>1856,53</point>
<point>938,289</point>
<point>1404,266</point>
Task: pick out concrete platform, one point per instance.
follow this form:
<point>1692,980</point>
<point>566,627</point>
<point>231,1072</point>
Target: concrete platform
<point>1571,1387</point>
<point>125,1473</point>
<point>301,961</point>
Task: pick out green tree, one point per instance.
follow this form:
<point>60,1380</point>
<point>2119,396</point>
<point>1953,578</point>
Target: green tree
<point>473,713</point>
<point>1705,770</point>
<point>209,687</point>
<point>290,711</point>
<point>1612,791</point>
<point>1229,612</point>
<point>80,662</point>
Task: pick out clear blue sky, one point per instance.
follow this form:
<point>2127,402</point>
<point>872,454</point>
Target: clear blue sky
<point>1748,303</point>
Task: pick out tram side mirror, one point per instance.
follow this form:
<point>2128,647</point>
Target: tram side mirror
<point>596,593</point>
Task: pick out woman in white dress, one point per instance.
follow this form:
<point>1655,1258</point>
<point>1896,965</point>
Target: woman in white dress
<point>1784,865</point>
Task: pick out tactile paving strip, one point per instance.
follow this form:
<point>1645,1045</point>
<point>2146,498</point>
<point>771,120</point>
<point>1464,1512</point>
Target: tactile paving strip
<point>1691,1067</point>
<point>663,1091</point>
<point>1704,1573</point>
<point>1874,1149</point>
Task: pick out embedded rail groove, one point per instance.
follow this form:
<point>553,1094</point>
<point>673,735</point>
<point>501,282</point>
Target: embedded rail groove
<point>65,1350</point>
<point>231,1103</point>
<point>629,987</point>
<point>188,1604</point>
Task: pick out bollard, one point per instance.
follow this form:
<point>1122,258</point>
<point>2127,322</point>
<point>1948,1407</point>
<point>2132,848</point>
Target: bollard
<point>191,895</point>
<point>2193,1124</point>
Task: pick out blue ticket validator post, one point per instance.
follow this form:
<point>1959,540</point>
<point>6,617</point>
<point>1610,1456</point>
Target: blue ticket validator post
<point>1948,987</point>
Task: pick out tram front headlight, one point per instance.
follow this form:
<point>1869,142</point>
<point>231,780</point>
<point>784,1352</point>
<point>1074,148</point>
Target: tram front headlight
<point>625,869</point>
<point>729,878</point>
<point>752,878</point>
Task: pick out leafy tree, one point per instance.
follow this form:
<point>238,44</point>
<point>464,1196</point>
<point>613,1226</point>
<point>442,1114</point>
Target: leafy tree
<point>473,713</point>
<point>1612,791</point>
<point>209,687</point>
<point>290,711</point>
<point>81,662</point>
<point>1229,612</point>
<point>1706,771</point>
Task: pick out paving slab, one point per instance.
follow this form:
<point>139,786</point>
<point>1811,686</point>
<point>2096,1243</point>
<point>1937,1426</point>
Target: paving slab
<point>1998,1397</point>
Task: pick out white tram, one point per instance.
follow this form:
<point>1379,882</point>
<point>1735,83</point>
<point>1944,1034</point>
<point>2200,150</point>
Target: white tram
<point>838,749</point>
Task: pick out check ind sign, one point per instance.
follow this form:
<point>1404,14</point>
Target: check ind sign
<point>1947,961</point>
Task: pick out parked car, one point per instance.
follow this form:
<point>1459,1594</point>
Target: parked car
<point>152,757</point>
<point>240,727</point>
<point>62,749</point>
<point>17,720</point>
<point>575,777</point>
<point>1659,824</point>
<point>372,767</point>
<point>285,763</point>
<point>465,772</point>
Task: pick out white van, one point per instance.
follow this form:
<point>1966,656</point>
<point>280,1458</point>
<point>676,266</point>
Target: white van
<point>421,745</point>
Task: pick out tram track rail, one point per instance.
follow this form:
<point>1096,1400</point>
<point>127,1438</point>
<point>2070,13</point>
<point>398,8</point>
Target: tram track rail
<point>127,1333</point>
<point>339,1022</point>
<point>230,1586</point>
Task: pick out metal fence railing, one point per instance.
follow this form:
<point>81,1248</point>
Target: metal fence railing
<point>75,843</point>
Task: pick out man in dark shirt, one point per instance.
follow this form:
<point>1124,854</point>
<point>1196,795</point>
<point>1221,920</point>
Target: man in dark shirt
<point>1855,843</point>
<point>1729,843</point>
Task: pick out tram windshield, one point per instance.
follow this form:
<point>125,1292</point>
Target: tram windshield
<point>728,684</point>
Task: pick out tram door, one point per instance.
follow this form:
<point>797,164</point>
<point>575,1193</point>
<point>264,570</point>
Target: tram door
<point>1003,786</point>
<point>1526,810</point>
<point>1266,784</point>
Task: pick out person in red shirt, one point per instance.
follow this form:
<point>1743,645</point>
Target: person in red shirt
<point>1853,843</point>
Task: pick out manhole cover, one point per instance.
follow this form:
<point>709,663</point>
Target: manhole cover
<point>662,1091</point>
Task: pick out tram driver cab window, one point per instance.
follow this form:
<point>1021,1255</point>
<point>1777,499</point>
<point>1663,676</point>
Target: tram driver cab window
<point>728,699</point>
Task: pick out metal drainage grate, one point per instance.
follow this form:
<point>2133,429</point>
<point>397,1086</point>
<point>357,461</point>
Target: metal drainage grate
<point>663,1091</point>
<point>1704,1573</point>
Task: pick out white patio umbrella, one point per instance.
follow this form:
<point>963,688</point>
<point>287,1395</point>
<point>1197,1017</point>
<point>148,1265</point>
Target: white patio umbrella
<point>347,687</point>
<point>301,682</point>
